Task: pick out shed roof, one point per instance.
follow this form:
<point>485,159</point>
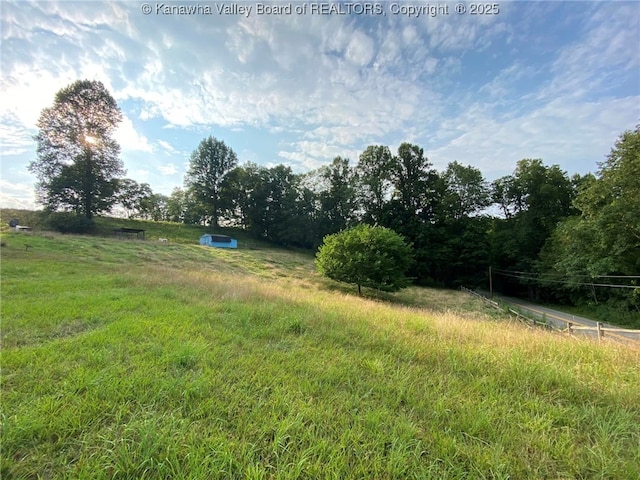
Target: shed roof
<point>218,238</point>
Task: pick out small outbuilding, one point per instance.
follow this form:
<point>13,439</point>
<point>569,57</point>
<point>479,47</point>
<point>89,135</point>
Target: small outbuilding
<point>220,241</point>
<point>129,233</point>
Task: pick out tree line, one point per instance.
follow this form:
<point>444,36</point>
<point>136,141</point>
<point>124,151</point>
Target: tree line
<point>556,237</point>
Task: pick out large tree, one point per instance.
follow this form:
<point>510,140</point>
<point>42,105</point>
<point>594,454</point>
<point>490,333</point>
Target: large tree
<point>466,191</point>
<point>415,181</point>
<point>611,204</point>
<point>285,208</point>
<point>77,163</point>
<point>374,181</point>
<point>155,207</point>
<point>605,238</point>
<point>240,191</point>
<point>366,256</point>
<point>534,199</point>
<point>337,196</point>
<point>134,198</point>
<point>271,203</point>
<point>456,252</point>
<point>210,163</point>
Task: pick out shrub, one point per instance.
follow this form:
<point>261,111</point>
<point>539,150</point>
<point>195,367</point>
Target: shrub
<point>67,222</point>
<point>367,256</point>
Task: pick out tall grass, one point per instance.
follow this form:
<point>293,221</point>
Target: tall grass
<point>128,359</point>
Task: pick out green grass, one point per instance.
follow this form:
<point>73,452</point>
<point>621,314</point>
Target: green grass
<point>131,360</point>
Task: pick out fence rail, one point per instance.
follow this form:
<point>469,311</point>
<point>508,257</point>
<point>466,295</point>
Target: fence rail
<point>571,326</point>
<point>482,297</point>
<point>599,328</point>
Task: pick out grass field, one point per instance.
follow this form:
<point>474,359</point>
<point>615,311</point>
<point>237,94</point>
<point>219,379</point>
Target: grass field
<point>141,360</point>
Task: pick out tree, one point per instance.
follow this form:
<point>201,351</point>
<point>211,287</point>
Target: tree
<point>284,208</point>
<point>414,180</point>
<point>545,193</point>
<point>176,205</point>
<point>368,256</point>
<point>453,250</point>
<point>534,199</point>
<point>611,205</point>
<point>605,238</point>
<point>466,191</point>
<point>374,181</point>
<point>239,191</point>
<point>210,163</point>
<point>134,197</point>
<point>337,198</point>
<point>155,207</point>
<point>77,162</point>
<point>184,207</point>
<point>272,203</point>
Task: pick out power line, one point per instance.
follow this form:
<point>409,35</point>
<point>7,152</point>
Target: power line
<point>566,282</point>
<point>617,276</point>
<point>563,275</point>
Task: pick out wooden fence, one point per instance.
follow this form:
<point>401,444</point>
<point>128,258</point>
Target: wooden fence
<point>600,329</point>
<point>570,328</point>
<point>486,300</point>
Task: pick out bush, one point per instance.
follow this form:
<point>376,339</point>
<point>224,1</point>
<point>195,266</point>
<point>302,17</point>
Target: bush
<point>67,222</point>
<point>367,256</point>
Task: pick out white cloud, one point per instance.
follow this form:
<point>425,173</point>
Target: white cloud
<point>309,155</point>
<point>26,91</point>
<point>129,139</point>
<point>17,195</point>
<point>360,50</point>
<point>169,169</point>
<point>15,139</point>
<point>168,148</point>
<point>560,132</point>
<point>333,84</point>
<point>141,175</point>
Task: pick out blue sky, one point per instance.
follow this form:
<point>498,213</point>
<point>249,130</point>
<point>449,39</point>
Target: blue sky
<point>553,80</point>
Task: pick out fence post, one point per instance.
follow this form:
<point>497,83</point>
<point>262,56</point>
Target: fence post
<point>569,325</point>
<point>600,332</point>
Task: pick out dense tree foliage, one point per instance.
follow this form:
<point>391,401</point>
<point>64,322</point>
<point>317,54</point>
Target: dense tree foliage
<point>534,200</point>
<point>134,198</point>
<point>77,162</point>
<point>438,214</point>
<point>367,256</point>
<point>466,192</point>
<point>337,197</point>
<point>557,238</point>
<point>445,218</point>
<point>373,173</point>
<point>601,245</point>
<point>155,207</point>
<point>209,164</point>
<point>610,208</point>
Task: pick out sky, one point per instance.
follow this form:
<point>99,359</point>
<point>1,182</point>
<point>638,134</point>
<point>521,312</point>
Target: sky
<point>555,80</point>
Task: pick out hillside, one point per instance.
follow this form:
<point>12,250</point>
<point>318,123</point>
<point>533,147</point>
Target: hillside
<point>137,359</point>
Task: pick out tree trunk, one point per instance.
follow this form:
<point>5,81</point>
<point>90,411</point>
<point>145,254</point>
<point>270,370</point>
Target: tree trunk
<point>214,212</point>
<point>88,186</point>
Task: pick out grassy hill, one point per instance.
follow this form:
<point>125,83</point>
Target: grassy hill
<point>126,359</point>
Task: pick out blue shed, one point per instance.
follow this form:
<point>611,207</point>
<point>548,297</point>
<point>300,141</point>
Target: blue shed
<point>221,241</point>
